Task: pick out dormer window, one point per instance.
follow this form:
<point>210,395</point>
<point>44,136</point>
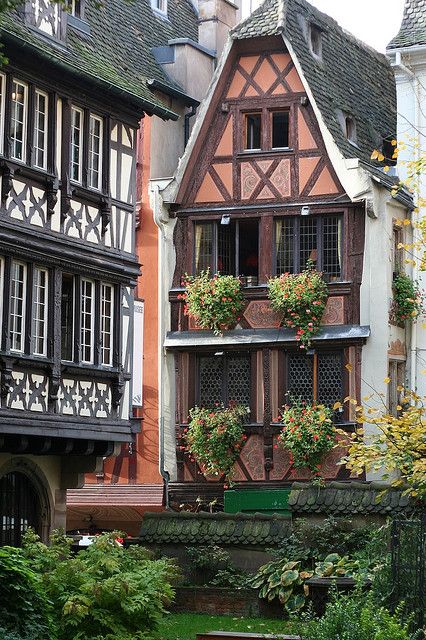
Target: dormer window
<point>76,8</point>
<point>160,6</point>
<point>350,129</point>
<point>315,40</point>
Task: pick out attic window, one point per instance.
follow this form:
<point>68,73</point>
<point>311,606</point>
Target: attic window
<point>160,6</point>
<point>350,129</point>
<point>76,8</point>
<point>315,40</point>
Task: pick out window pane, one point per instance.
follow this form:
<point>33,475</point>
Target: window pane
<point>299,377</point>
<point>87,321</point>
<point>253,130</point>
<point>248,253</point>
<point>203,246</point>
<point>106,324</point>
<point>279,129</point>
<point>40,130</point>
<point>308,242</point>
<point>76,143</point>
<point>226,249</point>
<point>95,152</point>
<point>239,379</point>
<point>2,100</point>
<point>284,239</point>
<point>40,312</point>
<point>211,370</point>
<point>332,246</point>
<point>17,306</point>
<point>67,317</point>
<point>330,378</point>
<point>18,116</point>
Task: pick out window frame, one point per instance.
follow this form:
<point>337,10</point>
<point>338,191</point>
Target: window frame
<point>272,111</point>
<point>37,94</point>
<point>23,159</point>
<point>91,153</point>
<point>394,396</point>
<point>80,163</point>
<point>246,115</point>
<point>11,330</point>
<point>82,328</point>
<point>34,319</point>
<point>101,330</point>
<point>315,41</point>
<point>3,91</point>
<point>155,5</point>
<point>319,244</point>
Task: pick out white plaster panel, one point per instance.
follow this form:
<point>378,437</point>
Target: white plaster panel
<point>113,173</point>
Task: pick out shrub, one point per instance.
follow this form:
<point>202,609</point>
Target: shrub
<point>215,437</point>
<point>308,433</point>
<point>106,592</point>
<point>300,299</point>
<point>356,617</point>
<point>214,303</point>
<point>24,608</point>
<point>407,299</point>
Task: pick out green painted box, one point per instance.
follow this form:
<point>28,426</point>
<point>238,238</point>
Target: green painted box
<point>266,501</point>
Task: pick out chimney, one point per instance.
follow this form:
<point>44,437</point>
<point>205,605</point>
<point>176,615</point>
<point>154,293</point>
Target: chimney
<point>216,18</point>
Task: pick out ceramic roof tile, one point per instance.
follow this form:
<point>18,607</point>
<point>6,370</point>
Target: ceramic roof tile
<point>347,498</point>
<point>118,51</point>
<point>413,27</point>
<point>213,528</point>
<point>370,98</point>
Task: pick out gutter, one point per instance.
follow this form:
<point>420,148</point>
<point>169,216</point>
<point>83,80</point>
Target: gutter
<point>172,91</point>
<point>148,107</point>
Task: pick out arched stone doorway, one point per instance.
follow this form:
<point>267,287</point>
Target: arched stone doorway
<point>23,504</point>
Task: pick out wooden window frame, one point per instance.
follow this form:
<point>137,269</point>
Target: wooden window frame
<point>320,242</point>
<point>108,363</point>
<point>34,319</point>
<point>79,179</point>
<point>396,380</point>
<point>83,344</point>
<point>270,133</point>
<point>90,153</point>
<point>24,142</point>
<point>246,115</point>
<point>23,316</point>
<point>45,150</point>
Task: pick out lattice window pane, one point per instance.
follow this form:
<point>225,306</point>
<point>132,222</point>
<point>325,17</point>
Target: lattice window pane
<point>300,377</point>
<point>330,378</point>
<point>332,245</point>
<point>284,238</point>
<point>308,241</point>
<point>203,246</point>
<point>211,375</point>
<point>239,379</point>
<point>226,249</point>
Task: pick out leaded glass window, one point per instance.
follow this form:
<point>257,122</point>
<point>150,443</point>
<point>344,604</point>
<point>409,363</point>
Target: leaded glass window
<point>224,378</point>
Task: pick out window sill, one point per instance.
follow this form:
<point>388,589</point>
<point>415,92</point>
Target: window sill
<point>87,193</point>
<point>248,153</point>
<point>21,169</point>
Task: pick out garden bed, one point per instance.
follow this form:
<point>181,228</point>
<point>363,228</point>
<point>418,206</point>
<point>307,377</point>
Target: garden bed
<point>224,601</point>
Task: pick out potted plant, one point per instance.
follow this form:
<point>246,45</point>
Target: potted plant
<point>215,437</point>
<point>300,299</point>
<point>308,433</point>
<point>213,302</point>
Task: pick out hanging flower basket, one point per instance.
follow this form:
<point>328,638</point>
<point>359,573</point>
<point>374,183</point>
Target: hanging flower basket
<point>214,302</point>
<point>308,433</point>
<point>407,299</point>
<point>215,438</point>
<point>300,299</point>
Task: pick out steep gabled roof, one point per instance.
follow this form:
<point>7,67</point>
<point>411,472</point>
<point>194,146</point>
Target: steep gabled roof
<point>118,49</point>
<point>351,77</point>
<point>413,27</point>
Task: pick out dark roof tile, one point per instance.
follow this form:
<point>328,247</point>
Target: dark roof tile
<point>413,27</point>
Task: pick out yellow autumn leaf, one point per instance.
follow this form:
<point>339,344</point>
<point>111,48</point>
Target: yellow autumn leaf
<point>374,155</point>
<point>349,367</point>
<point>386,380</point>
<point>337,405</point>
<point>406,222</point>
<point>386,168</point>
<point>380,157</point>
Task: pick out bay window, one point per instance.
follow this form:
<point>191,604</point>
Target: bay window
<point>305,239</point>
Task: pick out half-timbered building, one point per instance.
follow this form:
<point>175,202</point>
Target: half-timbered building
<point>277,172</point>
<point>73,88</point>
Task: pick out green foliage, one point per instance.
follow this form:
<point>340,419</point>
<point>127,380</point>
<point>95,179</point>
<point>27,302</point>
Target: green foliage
<point>24,607</point>
<point>407,299</point>
<point>208,558</point>
<point>214,438</point>
<point>300,299</point>
<point>232,578</point>
<point>308,433</point>
<point>356,618</point>
<point>284,580</point>
<point>336,566</point>
<point>214,303</point>
<point>106,592</point>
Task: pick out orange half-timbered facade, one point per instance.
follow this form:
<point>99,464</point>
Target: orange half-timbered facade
<point>264,188</point>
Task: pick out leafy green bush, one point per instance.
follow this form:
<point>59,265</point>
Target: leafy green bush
<point>106,592</point>
<point>407,299</point>
<point>356,618</point>
<point>284,580</point>
<point>24,608</point>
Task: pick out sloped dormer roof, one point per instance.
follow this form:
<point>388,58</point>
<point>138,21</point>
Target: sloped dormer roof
<point>350,78</point>
<point>117,51</point>
<point>413,27</point>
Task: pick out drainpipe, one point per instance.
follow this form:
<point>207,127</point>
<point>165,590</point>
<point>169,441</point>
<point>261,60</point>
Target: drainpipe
<point>414,345</point>
<point>188,115</point>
